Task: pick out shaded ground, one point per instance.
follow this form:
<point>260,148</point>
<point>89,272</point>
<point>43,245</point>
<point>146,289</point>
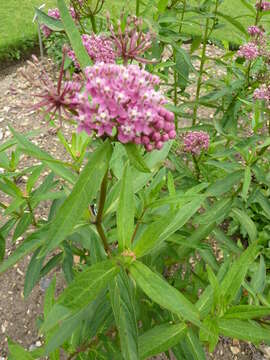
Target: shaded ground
<point>17,315</point>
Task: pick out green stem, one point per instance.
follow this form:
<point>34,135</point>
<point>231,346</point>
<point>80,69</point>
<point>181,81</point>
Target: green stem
<point>200,78</point>
<point>182,15</point>
<point>31,211</point>
<point>93,22</point>
<point>175,97</point>
<point>196,165</point>
<point>99,217</point>
<point>258,13</point>
<point>137,8</point>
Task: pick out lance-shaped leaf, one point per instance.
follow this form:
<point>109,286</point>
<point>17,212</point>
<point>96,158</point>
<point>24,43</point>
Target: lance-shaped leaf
<point>243,330</point>
<point>123,305</point>
<point>160,338</point>
<point>126,210</point>
<point>160,231</point>
<point>237,273</point>
<point>82,195</point>
<point>50,22</point>
<point>247,312</point>
<point>74,35</point>
<point>87,285</point>
<point>136,159</point>
<point>163,293</point>
<point>246,223</point>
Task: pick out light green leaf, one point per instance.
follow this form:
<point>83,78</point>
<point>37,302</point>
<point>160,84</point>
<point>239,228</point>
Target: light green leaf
<point>74,35</point>
<point>126,211</point>
<point>17,352</point>
<point>123,305</point>
<point>87,285</point>
<point>247,223</point>
<point>82,195</point>
<point>135,158</point>
<point>160,338</point>
<point>225,184</point>
<point>50,22</point>
<point>246,184</point>
<point>243,330</point>
<point>247,312</point>
<point>162,293</point>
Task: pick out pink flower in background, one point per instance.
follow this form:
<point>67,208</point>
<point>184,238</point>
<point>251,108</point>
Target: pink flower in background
<point>249,51</point>
<point>262,93</point>
<point>196,141</point>
<point>98,47</point>
<point>122,100</point>
<point>254,31</point>
<point>264,6</point>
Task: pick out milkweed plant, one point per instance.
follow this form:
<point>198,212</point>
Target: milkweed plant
<point>159,217</point>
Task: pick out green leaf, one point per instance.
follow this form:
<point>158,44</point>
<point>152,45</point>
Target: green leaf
<point>249,6</point>
<point>247,312</point>
<point>87,285</point>
<point>135,158</point>
<point>123,305</point>
<point>246,223</point>
<point>33,273</point>
<point>17,352</point>
<point>164,228</point>
<point>50,22</point>
<point>194,346</point>
<point>74,35</point>
<point>83,193</point>
<point>243,330</point>
<point>160,338</point>
<point>233,22</point>
<point>23,224</point>
<point>126,211</point>
<point>42,155</point>
<point>258,280</point>
<point>237,273</point>
<point>162,293</point>
<point>29,245</point>
<point>219,210</point>
<point>162,5</point>
<point>224,185</point>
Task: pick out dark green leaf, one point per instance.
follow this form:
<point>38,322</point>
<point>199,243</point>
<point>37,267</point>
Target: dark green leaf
<point>135,158</point>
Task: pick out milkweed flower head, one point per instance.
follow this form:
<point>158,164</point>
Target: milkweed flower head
<point>196,141</point>
<point>131,43</point>
<point>121,102</point>
<point>56,99</point>
<point>249,51</point>
<point>99,48</point>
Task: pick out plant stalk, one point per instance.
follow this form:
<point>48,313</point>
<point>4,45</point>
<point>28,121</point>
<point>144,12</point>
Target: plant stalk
<point>137,8</point>
<point>200,78</point>
<point>93,22</point>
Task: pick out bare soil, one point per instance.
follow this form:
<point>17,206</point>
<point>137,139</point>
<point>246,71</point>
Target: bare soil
<point>18,315</point>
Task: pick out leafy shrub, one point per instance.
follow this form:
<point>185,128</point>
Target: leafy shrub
<point>172,244</point>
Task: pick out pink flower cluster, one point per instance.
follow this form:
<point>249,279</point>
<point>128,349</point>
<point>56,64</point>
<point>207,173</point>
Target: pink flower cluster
<point>54,13</point>
<point>264,6</point>
<point>249,51</point>
<point>262,93</point>
<point>98,47</point>
<point>122,101</point>
<point>196,141</point>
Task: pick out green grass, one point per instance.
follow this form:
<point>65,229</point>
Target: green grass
<point>17,32</point>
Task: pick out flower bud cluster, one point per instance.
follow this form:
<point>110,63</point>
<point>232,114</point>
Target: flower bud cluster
<point>264,6</point>
<point>122,101</point>
<point>98,47</point>
<point>196,141</point>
